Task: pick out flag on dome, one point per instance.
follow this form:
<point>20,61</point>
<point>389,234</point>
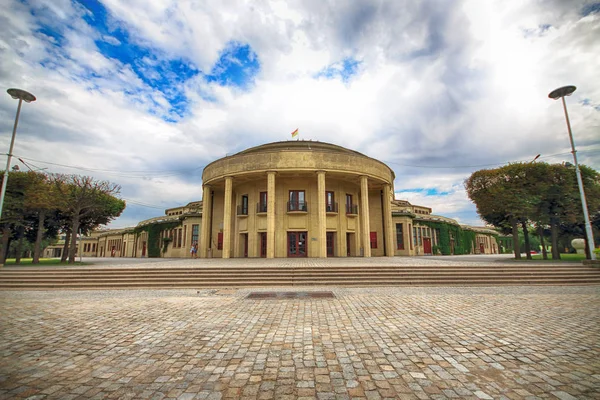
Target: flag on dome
<point>295,133</point>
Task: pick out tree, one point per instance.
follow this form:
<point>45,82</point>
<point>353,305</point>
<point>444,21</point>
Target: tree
<point>14,213</point>
<point>40,200</point>
<point>544,193</point>
<point>502,197</point>
<point>88,203</point>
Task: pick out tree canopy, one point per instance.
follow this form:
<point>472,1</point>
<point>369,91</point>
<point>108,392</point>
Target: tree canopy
<point>545,194</point>
<point>46,203</point>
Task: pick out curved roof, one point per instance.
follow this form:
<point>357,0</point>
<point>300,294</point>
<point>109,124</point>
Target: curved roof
<point>299,145</point>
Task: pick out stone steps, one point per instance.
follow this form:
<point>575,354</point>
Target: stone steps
<point>202,277</point>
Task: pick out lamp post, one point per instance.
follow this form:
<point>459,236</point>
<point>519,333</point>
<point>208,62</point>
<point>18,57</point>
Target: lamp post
<point>22,95</point>
<point>560,93</point>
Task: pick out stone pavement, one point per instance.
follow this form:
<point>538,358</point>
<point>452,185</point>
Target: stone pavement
<point>471,260</point>
<point>367,343</point>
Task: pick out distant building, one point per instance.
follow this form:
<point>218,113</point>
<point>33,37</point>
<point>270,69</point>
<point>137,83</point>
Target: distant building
<point>295,199</point>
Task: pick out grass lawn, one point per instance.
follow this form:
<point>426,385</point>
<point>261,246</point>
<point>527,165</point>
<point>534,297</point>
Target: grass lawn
<point>563,257</point>
<point>26,262</point>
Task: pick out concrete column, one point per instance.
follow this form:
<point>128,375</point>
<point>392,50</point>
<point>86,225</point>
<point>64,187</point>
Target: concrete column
<point>227,218</point>
<point>388,228</point>
<point>204,244</point>
<point>364,216</point>
<point>271,214</point>
<point>322,215</point>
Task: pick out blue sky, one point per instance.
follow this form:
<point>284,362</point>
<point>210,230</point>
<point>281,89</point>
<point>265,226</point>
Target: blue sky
<point>145,94</point>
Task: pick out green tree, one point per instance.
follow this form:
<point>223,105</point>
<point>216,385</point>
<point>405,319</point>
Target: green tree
<point>40,201</point>
<point>502,197</point>
<point>544,193</point>
<point>88,203</point>
<point>15,215</point>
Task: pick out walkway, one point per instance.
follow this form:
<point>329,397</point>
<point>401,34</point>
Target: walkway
<point>407,343</point>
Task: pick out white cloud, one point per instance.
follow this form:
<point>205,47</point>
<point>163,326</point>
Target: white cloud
<point>457,84</point>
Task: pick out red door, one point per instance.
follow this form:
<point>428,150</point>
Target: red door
<point>481,248</point>
<point>263,244</point>
<point>330,244</point>
<point>297,244</point>
<point>427,245</point>
<point>348,244</point>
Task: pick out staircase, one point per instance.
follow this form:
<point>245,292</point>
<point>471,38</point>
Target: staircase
<point>198,277</point>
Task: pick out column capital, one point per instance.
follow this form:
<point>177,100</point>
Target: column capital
<point>271,172</point>
<point>319,172</point>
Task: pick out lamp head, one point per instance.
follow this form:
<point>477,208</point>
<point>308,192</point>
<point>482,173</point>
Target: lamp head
<point>21,94</point>
<point>562,92</point>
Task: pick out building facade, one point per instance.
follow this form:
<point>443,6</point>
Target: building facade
<point>295,199</point>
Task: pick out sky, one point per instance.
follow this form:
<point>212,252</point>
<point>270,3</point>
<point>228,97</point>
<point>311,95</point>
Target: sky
<point>145,93</point>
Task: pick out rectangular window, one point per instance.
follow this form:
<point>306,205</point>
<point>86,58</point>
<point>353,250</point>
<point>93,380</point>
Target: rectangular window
<point>179,237</point>
<point>414,234</point>
<point>350,207</point>
<point>410,239</point>
<point>373,240</point>
<point>262,205</point>
<point>195,229</point>
<point>297,202</point>
<point>184,235</point>
<point>399,237</point>
<point>220,241</point>
<point>244,205</point>
<point>420,236</point>
<point>330,202</point>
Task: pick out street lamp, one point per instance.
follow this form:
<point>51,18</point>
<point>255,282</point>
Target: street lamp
<point>560,93</point>
<point>22,95</point>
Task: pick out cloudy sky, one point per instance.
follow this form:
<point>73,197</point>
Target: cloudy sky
<point>145,93</point>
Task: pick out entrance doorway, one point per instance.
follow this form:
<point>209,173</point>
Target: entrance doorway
<point>263,244</point>
<point>244,245</point>
<point>350,244</point>
<point>427,246</point>
<point>481,248</point>
<point>297,244</point>
<point>330,244</point>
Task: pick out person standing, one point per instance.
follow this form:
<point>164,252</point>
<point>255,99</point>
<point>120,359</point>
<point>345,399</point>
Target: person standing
<point>194,250</point>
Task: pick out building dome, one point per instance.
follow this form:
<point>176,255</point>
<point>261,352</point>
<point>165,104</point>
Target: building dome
<point>292,158</point>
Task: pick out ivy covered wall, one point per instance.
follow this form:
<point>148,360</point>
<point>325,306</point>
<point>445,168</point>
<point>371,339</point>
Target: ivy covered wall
<point>464,240</point>
<point>154,231</point>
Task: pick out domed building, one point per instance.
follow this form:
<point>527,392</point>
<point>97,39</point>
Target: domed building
<point>296,199</point>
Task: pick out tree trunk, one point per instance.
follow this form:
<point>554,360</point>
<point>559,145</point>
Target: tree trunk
<point>37,248</point>
<point>5,244</point>
<point>526,238</point>
<point>515,234</point>
<point>542,242</point>
<point>74,230</point>
<point>19,248</point>
<point>65,252</point>
<point>554,235</point>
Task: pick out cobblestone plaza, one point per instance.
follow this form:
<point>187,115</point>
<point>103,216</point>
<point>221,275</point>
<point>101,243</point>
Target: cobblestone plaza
<point>366,343</point>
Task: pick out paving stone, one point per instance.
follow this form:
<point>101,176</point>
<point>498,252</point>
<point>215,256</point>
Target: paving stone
<point>437,343</point>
